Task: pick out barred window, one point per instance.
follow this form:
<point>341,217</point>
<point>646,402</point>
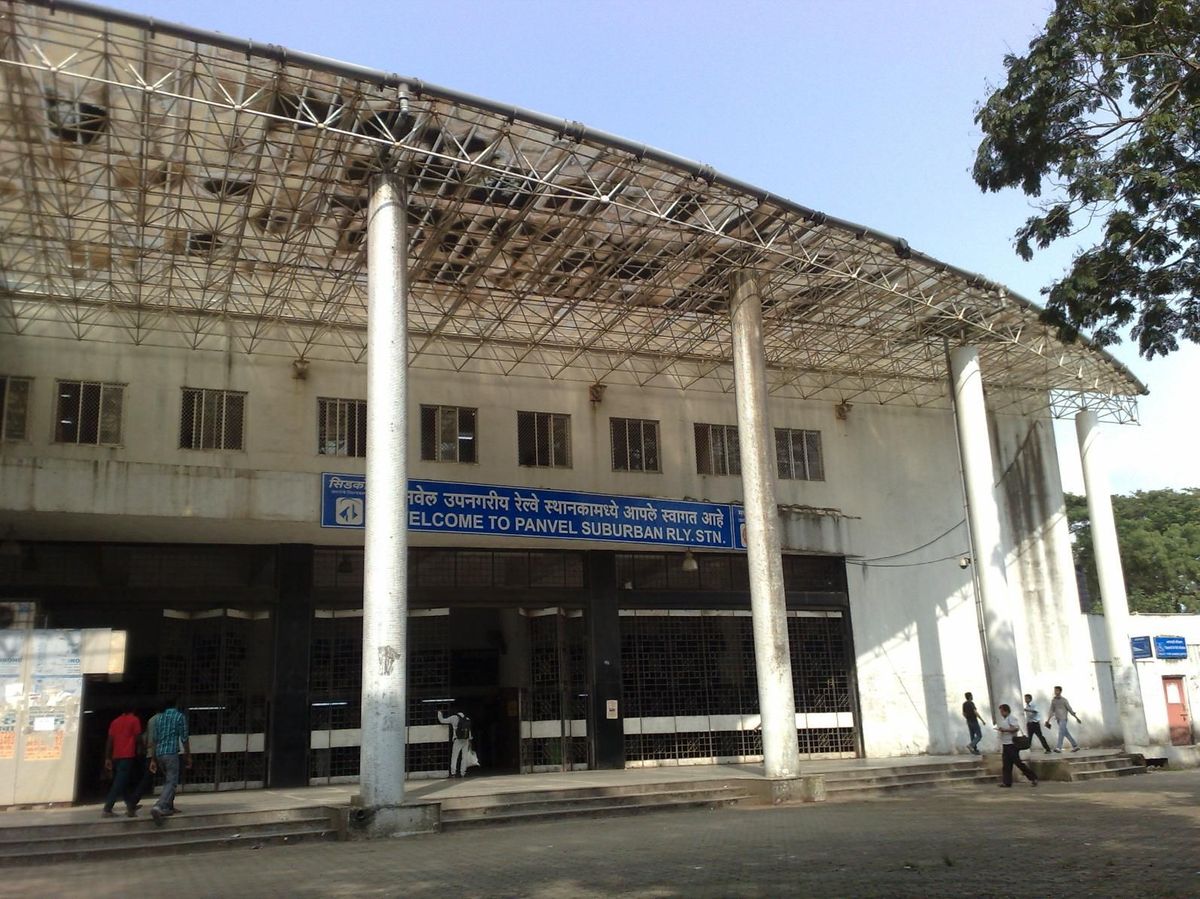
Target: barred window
<point>717,450</point>
<point>798,455</point>
<point>341,427</point>
<point>14,407</point>
<point>634,444</point>
<point>448,434</point>
<point>544,439</point>
<point>89,412</point>
<point>212,419</point>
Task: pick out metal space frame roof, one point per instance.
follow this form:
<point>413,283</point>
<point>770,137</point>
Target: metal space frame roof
<point>169,187</point>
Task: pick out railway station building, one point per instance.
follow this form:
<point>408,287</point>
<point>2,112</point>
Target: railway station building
<point>348,399</point>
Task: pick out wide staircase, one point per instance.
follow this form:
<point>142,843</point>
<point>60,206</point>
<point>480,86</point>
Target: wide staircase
<point>630,799</point>
<point>199,830</point>
<point>127,837</point>
<point>884,779</point>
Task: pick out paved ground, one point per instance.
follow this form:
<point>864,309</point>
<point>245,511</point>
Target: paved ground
<point>1132,836</point>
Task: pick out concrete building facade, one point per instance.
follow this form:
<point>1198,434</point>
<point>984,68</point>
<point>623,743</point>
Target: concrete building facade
<point>234,273</point>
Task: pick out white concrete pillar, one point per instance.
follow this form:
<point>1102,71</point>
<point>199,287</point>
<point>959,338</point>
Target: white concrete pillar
<point>983,514</point>
<point>385,597</point>
<point>756,439</point>
<point>1112,580</point>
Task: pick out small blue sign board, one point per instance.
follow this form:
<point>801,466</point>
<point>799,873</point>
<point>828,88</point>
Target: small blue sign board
<point>1170,647</point>
<point>343,500</point>
<point>1141,647</point>
<point>489,509</point>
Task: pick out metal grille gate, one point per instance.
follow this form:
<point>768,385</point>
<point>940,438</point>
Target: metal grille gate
<point>218,662</point>
<point>691,691</point>
<point>554,708</point>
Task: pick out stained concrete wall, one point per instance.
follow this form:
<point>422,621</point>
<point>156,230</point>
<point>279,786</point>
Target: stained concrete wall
<point>1054,641</point>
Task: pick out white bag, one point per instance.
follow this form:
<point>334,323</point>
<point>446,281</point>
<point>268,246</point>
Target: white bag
<point>471,760</point>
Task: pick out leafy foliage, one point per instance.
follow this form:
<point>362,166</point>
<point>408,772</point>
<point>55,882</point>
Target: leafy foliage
<point>1159,535</point>
<point>1103,113</point>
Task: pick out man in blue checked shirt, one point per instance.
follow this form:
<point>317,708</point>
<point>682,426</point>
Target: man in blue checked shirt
<point>170,734</point>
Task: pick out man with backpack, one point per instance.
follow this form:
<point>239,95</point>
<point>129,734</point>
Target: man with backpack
<point>460,730</point>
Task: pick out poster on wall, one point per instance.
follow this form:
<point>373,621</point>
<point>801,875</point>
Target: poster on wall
<point>55,693</point>
<point>12,691</point>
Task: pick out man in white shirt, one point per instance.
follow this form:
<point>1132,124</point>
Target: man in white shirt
<point>460,732</point>
<point>1009,728</point>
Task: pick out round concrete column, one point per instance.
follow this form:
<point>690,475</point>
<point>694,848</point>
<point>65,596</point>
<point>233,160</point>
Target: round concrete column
<point>385,598</point>
<point>772,659</point>
<point>1112,580</point>
<point>983,513</point>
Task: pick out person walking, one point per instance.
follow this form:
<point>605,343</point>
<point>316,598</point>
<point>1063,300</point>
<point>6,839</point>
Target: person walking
<point>1009,728</point>
<point>460,730</point>
<point>973,722</point>
<point>1033,723</point>
<point>1060,708</point>
<point>170,735</point>
<point>120,753</point>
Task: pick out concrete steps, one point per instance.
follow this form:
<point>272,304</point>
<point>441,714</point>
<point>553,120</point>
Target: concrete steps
<point>863,783</point>
<point>511,808</point>
<point>1114,764</point>
<point>128,837</point>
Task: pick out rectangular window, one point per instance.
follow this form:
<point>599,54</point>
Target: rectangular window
<point>89,412</point>
<point>341,427</point>
<point>448,434</point>
<point>14,407</point>
<point>634,444</point>
<point>544,439</point>
<point>798,455</point>
<point>212,419</point>
<point>717,450</point>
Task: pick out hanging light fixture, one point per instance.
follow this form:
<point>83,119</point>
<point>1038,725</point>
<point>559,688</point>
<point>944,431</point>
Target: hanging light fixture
<point>689,562</point>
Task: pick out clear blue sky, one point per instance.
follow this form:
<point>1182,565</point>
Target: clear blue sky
<point>860,108</point>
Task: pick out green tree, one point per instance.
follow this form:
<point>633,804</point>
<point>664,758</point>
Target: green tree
<point>1159,535</point>
<point>1103,116</point>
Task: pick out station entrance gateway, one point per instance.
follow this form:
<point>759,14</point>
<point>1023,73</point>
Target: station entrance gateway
<point>516,650</point>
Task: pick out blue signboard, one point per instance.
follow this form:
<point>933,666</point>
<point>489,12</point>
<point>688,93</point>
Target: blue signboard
<point>488,509</point>
<point>343,500</point>
<point>1170,647</point>
<point>1141,647</point>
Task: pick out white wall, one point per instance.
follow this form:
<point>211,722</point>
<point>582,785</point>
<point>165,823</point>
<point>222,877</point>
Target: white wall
<point>1152,671</point>
<point>1055,646</point>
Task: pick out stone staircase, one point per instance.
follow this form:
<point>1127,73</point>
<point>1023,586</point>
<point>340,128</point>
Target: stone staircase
<point>543,805</point>
<point>882,780</point>
<point>127,837</point>
<point>1091,766</point>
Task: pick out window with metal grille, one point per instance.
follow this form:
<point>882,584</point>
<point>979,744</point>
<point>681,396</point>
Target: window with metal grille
<point>634,444</point>
<point>448,434</point>
<point>717,450</point>
<point>212,419</point>
<point>14,407</point>
<point>88,412</point>
<point>544,439</point>
<point>341,427</point>
<point>798,455</point>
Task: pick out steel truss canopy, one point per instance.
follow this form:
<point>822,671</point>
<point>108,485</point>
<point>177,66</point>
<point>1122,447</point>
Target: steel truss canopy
<point>163,186</point>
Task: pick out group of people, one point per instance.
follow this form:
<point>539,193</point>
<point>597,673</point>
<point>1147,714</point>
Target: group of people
<point>1009,729</point>
<point>133,755</point>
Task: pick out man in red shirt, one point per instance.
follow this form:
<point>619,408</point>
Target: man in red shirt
<point>120,750</point>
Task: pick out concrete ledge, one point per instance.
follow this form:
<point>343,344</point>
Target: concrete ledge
<point>788,790</point>
<point>1176,756</point>
<point>362,823</point>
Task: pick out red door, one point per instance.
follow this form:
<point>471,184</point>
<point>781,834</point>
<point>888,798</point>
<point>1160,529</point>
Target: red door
<point>1177,711</point>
